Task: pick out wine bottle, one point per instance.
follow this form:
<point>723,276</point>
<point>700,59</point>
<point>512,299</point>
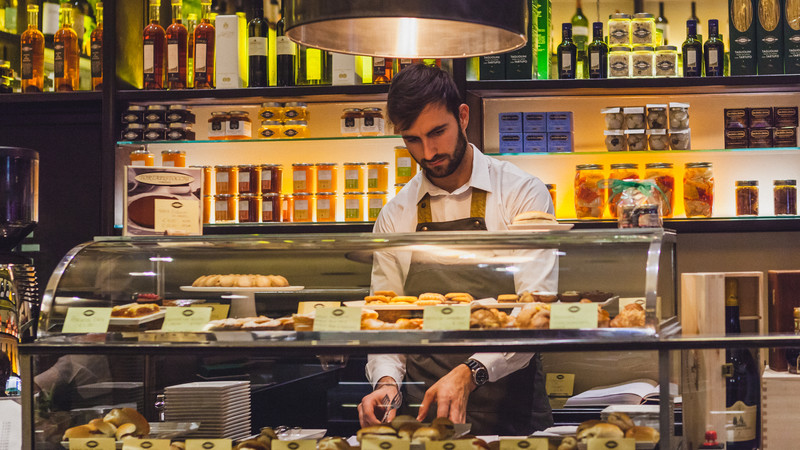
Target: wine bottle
<point>66,56</point>
<point>597,53</point>
<point>287,51</point>
<point>742,382</point>
<point>96,48</point>
<point>692,50</point>
<point>155,42</point>
<point>177,41</point>
<point>580,37</point>
<point>32,54</point>
<point>713,51</point>
<point>697,21</point>
<point>204,43</point>
<point>191,24</point>
<point>566,53</point>
<point>257,48</point>
<point>662,24</point>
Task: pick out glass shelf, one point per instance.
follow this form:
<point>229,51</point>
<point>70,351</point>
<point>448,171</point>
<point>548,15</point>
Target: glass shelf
<point>239,141</point>
<point>778,150</point>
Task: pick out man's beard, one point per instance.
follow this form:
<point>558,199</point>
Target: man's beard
<point>444,170</point>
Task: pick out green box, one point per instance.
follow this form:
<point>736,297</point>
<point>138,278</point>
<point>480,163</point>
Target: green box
<point>769,36</point>
<point>493,67</point>
<point>792,42</point>
<point>543,11</point>
<point>742,32</point>
<point>521,63</point>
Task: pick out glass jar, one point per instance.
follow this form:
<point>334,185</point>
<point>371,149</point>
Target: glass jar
<point>217,124</point>
<point>614,118</point>
<point>295,111</point>
<point>590,195</point>
<point>657,117</point>
<point>180,114</point>
<point>271,178</point>
<point>326,207</point>
<point>225,207</point>
<point>405,166</point>
<point>619,29</point>
<point>155,132</point>
<point>398,187</point>
<point>643,29</point>
<point>294,129</point>
<point>658,140</point>
<point>372,123</point>
<point>179,131</point>
<point>353,206</point>
<point>377,176</point>
<point>239,125</point>
<point>270,111</point>
<point>619,172</point>
<point>680,139</point>
<point>616,141</point>
<point>551,189</point>
<point>666,61</point>
<point>303,179</point>
<point>249,179</point>
<point>661,174</point>
<point>249,208</point>
<point>637,140</point>
<point>208,208</point>
<point>133,132</point>
<point>698,189</point>
<point>354,176</point>
<point>678,116</point>
<point>303,208</point>
<point>208,179</point>
<point>270,207</point>
<point>375,202</point>
<point>785,195</point>
<point>287,208</point>
<point>327,180</point>
<point>226,181</point>
<point>142,157</point>
<point>155,113</point>
<point>619,62</point>
<point>747,198</point>
<point>270,129</point>
<point>173,158</point>
<point>351,121</point>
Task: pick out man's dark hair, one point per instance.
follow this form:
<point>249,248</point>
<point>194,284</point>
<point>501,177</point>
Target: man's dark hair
<point>416,87</point>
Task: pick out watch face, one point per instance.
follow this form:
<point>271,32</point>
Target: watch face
<point>481,376</point>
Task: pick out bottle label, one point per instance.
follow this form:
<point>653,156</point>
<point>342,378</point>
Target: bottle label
<point>350,125</point>
<point>200,75</point>
<point>26,68</point>
<point>691,59</point>
<point>285,46</point>
<point>58,59</point>
<point>374,125</point>
<point>173,60</point>
<point>378,67</point>
<point>741,422</point>
<point>257,46</point>
<point>97,59</point>
<point>149,61</point>
<point>594,63</point>
<point>713,58</point>
<point>566,63</point>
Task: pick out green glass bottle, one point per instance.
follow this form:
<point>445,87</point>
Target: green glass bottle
<point>580,36</point>
<point>566,54</point>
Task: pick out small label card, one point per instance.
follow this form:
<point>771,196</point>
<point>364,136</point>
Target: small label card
<point>178,216</point>
<point>447,317</point>
<point>307,307</point>
<point>378,443</point>
<point>218,310</point>
<point>208,444</point>
<point>145,444</point>
<point>104,443</point>
<point>458,444</point>
<point>611,444</point>
<point>566,316</point>
<point>186,319</point>
<point>559,384</point>
<point>300,444</point>
<point>524,444</point>
<point>337,319</point>
<point>86,320</point>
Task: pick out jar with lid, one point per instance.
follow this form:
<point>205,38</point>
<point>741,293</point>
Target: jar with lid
<point>217,124</point>
<point>208,208</point>
<point>643,29</point>
<point>619,172</point>
<point>225,208</point>
<point>658,139</point>
<point>666,61</point>
<point>613,117</point>
<point>785,196</point>
<point>249,208</point>
<point>662,175</point>
<point>619,62</point>
<point>354,176</point>
<point>179,131</point>
<point>295,111</point>
<point>270,111</point>
<point>351,121</point>
<point>353,206</point>
<point>239,125</point>
<point>226,181</point>
<point>375,202</point>
<point>590,193</point>
<point>619,29</point>
<point>180,114</point>
<point>294,129</point>
<point>377,176</point>
<point>551,189</point>
<point>142,157</point>
<point>249,179</point>
<point>698,189</point>
<point>373,123</point>
<point>155,132</point>
<point>155,113</point>
<point>327,180</point>
<point>405,166</point>
<point>303,206</point>
<point>208,179</point>
<point>133,132</point>
<point>287,208</point>
<point>616,140</point>
<point>642,61</point>
<point>134,114</point>
<point>303,177</point>
<point>271,178</point>
<point>270,129</point>
<point>173,158</point>
<point>270,207</point>
<point>326,207</point>
<point>747,198</point>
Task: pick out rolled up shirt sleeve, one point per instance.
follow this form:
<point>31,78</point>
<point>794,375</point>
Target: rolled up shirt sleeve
<point>500,365</point>
<point>386,365</point>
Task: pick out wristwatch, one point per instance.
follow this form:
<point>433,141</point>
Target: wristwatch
<point>479,373</point>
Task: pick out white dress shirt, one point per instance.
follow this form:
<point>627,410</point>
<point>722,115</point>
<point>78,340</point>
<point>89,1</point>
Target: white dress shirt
<point>509,191</point>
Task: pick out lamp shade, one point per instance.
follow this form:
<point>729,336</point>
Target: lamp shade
<point>408,28</point>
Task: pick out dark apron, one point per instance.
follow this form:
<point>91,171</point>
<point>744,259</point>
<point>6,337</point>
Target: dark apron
<point>515,405</point>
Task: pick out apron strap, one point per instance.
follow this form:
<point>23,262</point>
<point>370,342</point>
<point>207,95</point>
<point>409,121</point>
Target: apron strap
<point>477,206</point>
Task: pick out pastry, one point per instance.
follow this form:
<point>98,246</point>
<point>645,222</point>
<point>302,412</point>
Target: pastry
<point>227,280</point>
<point>376,299</point>
<point>403,299</point>
<point>278,280</point>
<point>333,443</point>
<point>534,217</point>
<point>569,296</point>
<point>620,419</point>
<point>507,298</point>
<point>428,302</point>
<point>445,426</point>
<point>538,311</point>
<point>483,317</point>
<point>526,297</point>
<point>600,430</point>
<point>596,296</point>
<point>568,443</point>
<point>81,431</point>
<point>135,310</point>
<point>389,294</point>
<point>586,424</point>
<point>631,316</point>
<point>424,434</point>
<point>432,296</point>
<point>263,281</point>
<point>376,430</point>
<point>212,280</point>
<point>459,297</point>
<point>643,434</point>
<point>544,297</point>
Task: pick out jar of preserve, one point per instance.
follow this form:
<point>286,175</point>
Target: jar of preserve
<point>239,125</point>
<point>377,176</point>
<point>551,189</point>
<point>270,207</point>
<point>326,207</point>
<point>155,113</point>
<point>667,61</point>
<point>294,129</point>
<point>226,180</point>
<point>271,111</point>
<point>354,206</point>
<point>295,111</point>
<point>373,123</point>
<point>303,179</point>
<point>142,157</point>
<point>398,187</point>
<point>271,178</point>
<point>287,208</point>
<point>326,177</point>
<point>208,179</point>
<point>698,189</point>
<point>785,195</point>
<point>270,129</point>
<point>179,131</point>
<point>619,172</point>
<point>225,208</point>
<point>662,175</point>
<point>180,114</point>
<point>351,121</point>
<point>590,193</point>
<point>217,124</point>
<point>354,176</point>
<point>133,132</point>
<point>375,202</point>
<point>747,198</point>
<point>249,208</point>
<point>303,206</point>
<point>173,158</point>
<point>249,179</point>
<point>208,208</point>
<point>405,166</point>
<point>155,132</point>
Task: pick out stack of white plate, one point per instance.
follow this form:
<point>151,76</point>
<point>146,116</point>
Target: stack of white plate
<point>221,407</point>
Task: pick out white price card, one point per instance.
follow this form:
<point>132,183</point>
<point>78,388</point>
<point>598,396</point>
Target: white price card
<point>383,443</point>
<point>186,319</point>
<point>86,320</point>
<point>300,444</point>
<point>524,444</point>
<point>145,444</point>
<point>447,317</point>
<point>104,443</point>
<point>337,319</point>
<point>565,316</point>
<point>611,444</point>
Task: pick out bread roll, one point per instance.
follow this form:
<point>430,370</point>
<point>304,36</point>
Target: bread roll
<point>424,434</point>
<point>106,428</point>
<point>119,416</point>
<point>403,419</point>
<point>622,420</point>
<point>251,444</point>
<point>445,426</point>
<point>568,443</point>
<point>601,430</point>
<point>586,424</point>
<point>643,434</point>
<point>126,430</point>
<point>376,430</point>
<point>333,443</point>
<point>81,431</point>
<point>389,294</point>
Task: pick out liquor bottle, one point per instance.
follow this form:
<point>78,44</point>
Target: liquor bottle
<point>155,42</point>
<point>96,47</point>
<point>697,21</point>
<point>713,51</point>
<point>597,53</point>
<point>66,59</point>
<point>662,23</point>
<point>32,54</point>
<point>272,14</point>
<point>566,53</point>
<point>177,42</point>
<point>191,23</point>
<point>257,48</point>
<point>382,70</point>
<point>204,35</point>
<point>580,36</point>
<point>692,50</point>
<point>314,66</point>
<point>742,381</point>
<point>287,51</point>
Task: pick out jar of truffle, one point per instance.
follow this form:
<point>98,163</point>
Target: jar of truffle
<point>225,208</point>
<point>179,114</point>
<point>249,210</point>
<point>353,206</point>
<point>226,181</point>
<point>680,139</point>
<point>642,62</point>
<point>634,117</point>
<point>616,141</point>
<point>303,206</point>
<point>155,113</point>
<point>326,177</point>
<point>619,29</point>
<point>666,61</point>
<point>249,179</point>
<point>179,131</point>
<point>590,192</point>
<point>375,202</point>
<point>657,117</point>
<point>351,121</point>
<point>217,124</point>
<point>614,118</point>
<point>619,172</point>
<point>295,111</point>
<point>678,116</point>
<point>747,198</point>
<point>270,129</point>
<point>133,132</point>
<point>637,140</point>
<point>662,175</point>
<point>658,140</point>
<point>155,132</point>
<point>698,189</point>
<point>619,62</point>
<point>303,177</point>
<point>270,207</point>
<point>294,129</point>
<point>271,178</point>
<point>785,195</point>
<point>270,111</point>
<point>643,29</point>
<point>326,207</point>
<point>142,157</point>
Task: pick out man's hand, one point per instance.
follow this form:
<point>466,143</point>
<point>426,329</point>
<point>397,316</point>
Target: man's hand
<point>372,407</point>
<point>450,393</point>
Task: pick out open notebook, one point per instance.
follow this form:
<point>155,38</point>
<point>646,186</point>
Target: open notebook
<point>633,392</point>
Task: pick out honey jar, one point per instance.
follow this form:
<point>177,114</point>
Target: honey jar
<point>238,126</point>
<point>208,207</point>
<point>295,111</point>
<point>249,179</point>
<point>351,121</point>
<point>142,157</point>
<point>287,208</point>
<point>785,196</point>
<point>619,172</point>
<point>326,177</point>
<point>303,179</point>
<point>375,202</point>
<point>294,129</point>
<point>405,166</point>
<point>354,176</point>
<point>225,207</point>
<point>747,198</point>
<point>353,206</point>
<point>698,189</point>
<point>173,158</point>
<point>326,207</point>
<point>590,193</point>
<point>270,207</point>
<point>217,124</point>
<point>661,174</point>
<point>271,178</point>
<point>249,210</point>
<point>270,129</point>
<point>226,181</point>
<point>271,111</point>
<point>303,206</point>
<point>372,124</point>
<point>377,176</point>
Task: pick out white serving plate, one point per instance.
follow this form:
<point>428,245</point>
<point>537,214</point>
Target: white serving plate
<point>241,289</point>
<point>137,320</point>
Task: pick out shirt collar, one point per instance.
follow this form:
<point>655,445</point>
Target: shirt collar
<point>479,178</point>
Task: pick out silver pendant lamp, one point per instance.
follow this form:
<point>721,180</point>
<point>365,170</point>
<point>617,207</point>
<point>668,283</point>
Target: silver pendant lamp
<point>408,28</point>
